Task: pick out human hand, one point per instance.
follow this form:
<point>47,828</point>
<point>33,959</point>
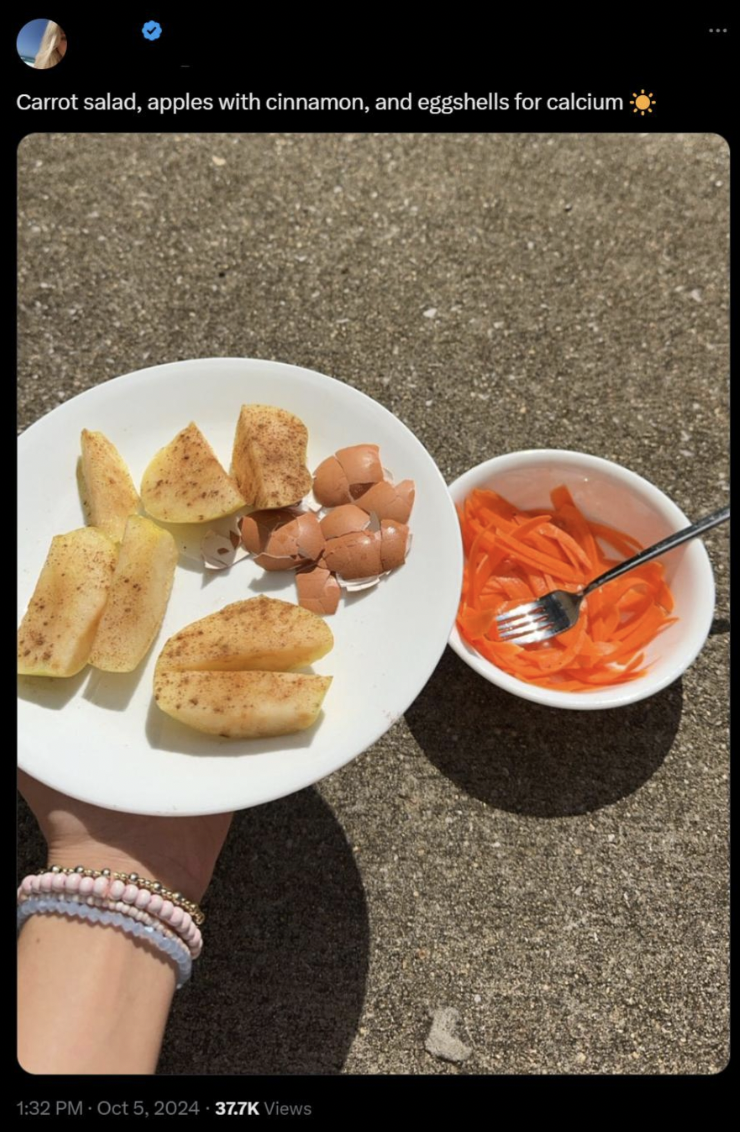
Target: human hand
<point>181,852</point>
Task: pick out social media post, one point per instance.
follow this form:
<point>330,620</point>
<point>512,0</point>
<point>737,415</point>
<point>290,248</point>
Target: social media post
<point>373,638</point>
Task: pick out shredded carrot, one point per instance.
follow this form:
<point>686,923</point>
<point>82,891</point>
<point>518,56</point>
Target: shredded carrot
<point>515,556</point>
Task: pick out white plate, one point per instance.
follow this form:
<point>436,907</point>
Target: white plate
<point>99,736</point>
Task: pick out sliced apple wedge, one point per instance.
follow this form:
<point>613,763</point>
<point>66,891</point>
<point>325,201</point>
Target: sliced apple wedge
<point>227,673</point>
<point>185,483</point>
<point>59,627</point>
<point>108,492</point>
<point>261,633</point>
<point>269,457</point>
<point>241,705</point>
<point>138,597</point>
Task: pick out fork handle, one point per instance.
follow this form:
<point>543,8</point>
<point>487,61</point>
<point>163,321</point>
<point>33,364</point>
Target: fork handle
<point>662,547</point>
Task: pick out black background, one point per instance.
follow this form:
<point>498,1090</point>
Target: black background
<point>363,52</point>
<point>687,67</point>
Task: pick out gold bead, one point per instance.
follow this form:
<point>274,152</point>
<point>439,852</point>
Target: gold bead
<point>106,872</point>
<point>55,869</point>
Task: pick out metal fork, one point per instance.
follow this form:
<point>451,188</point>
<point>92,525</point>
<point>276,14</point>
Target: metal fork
<point>558,611</point>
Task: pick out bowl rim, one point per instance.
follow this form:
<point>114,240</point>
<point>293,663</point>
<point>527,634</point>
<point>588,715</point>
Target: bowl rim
<point>639,689</point>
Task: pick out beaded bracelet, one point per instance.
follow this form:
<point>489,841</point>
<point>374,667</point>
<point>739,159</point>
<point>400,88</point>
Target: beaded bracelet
<point>193,948</point>
<point>113,889</point>
<point>58,904</point>
<point>153,886</point>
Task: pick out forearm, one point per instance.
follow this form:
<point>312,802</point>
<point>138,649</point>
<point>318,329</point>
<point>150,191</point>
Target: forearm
<point>90,998</point>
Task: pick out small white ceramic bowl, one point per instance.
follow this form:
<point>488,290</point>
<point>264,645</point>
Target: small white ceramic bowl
<point>610,494</point>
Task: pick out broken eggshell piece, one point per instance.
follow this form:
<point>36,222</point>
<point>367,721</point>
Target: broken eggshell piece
<point>221,549</point>
<point>361,465</point>
<point>330,484</point>
<point>388,500</point>
<point>355,555</point>
<point>300,538</point>
<point>257,528</point>
<point>394,544</point>
<point>361,558</point>
<point>344,520</point>
<point>318,590</point>
<point>358,584</point>
<point>284,539</point>
<point>348,473</point>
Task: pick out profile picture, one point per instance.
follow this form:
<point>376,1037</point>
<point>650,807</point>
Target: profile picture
<point>41,44</point>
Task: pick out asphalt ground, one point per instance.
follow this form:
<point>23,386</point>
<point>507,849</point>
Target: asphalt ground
<point>494,887</point>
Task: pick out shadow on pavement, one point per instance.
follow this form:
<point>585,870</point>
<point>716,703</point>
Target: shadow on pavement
<point>528,759</point>
<point>281,982</point>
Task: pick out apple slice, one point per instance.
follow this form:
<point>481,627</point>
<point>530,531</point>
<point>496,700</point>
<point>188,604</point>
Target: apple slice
<point>138,597</point>
<point>227,673</point>
<point>108,492</point>
<point>241,705</point>
<point>59,626</point>
<point>185,483</point>
<point>269,457</point>
<point>260,633</point>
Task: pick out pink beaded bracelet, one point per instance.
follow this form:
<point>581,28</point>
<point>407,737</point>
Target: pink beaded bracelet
<point>116,891</point>
<point>154,886</point>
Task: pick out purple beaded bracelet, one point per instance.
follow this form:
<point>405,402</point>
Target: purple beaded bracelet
<point>86,908</point>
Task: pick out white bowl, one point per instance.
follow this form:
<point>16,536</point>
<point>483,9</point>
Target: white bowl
<point>611,494</point>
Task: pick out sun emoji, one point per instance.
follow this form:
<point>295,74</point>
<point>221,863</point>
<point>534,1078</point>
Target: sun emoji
<point>642,102</point>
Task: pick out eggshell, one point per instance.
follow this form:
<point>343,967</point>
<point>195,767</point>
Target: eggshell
<point>301,538</point>
<point>318,590</point>
<point>356,555</point>
<point>394,544</point>
<point>270,562</point>
<point>251,534</point>
<point>358,584</point>
<point>257,528</point>
<point>361,464</point>
<point>389,501</point>
<point>330,485</point>
<point>221,549</point>
<point>344,520</point>
<point>283,539</point>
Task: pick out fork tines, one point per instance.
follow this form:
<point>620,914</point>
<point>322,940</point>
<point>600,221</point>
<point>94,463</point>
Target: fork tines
<point>534,621</point>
